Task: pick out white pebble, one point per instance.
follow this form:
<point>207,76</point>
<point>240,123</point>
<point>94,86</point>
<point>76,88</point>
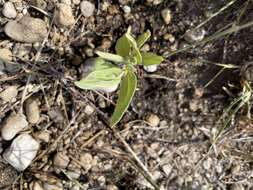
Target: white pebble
<point>126,9</point>
<point>9,10</point>
<point>166,15</point>
<point>13,125</point>
<point>153,120</point>
<point>150,68</point>
<point>22,151</point>
<point>87,8</point>
<point>61,160</point>
<point>9,93</point>
<point>196,35</point>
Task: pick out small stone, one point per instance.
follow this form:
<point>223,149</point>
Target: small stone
<point>87,8</point>
<point>67,2</point>
<point>111,187</point>
<point>89,110</point>
<point>86,160</point>
<point>9,10</point>
<point>167,168</point>
<point>26,29</point>
<point>196,35</point>
<point>126,9</point>
<point>166,15</point>
<point>32,110</point>
<point>61,160</point>
<point>207,164</point>
<point>9,93</point>
<point>74,174</point>
<point>22,151</point>
<point>36,185</point>
<point>150,68</point>
<point>194,105</point>
<point>64,16</point>
<point>47,186</point>
<point>39,3</point>
<point>153,120</point>
<point>5,55</point>
<point>13,125</point>
<point>43,136</point>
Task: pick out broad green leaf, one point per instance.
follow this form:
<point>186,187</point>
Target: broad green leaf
<point>141,40</point>
<point>123,47</point>
<point>127,88</point>
<point>104,75</point>
<point>134,48</point>
<point>151,59</point>
<point>110,57</point>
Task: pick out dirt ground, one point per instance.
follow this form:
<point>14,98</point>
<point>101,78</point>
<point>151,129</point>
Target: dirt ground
<point>72,122</point>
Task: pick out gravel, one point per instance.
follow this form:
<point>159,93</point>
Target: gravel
<point>64,17</point>
<point>87,8</point>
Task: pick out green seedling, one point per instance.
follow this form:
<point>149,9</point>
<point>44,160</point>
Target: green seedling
<point>110,70</point>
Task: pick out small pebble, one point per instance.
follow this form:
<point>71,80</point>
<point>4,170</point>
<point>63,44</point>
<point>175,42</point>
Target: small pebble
<point>22,151</point>
<point>35,185</point>
<point>13,124</point>
<point>150,68</point>
<point>64,16</point>
<point>196,35</point>
<point>44,136</point>
<point>167,168</point>
<point>27,29</point>
<point>61,160</point>
<point>9,10</point>
<point>126,9</point>
<point>9,93</point>
<point>5,55</point>
<point>32,110</point>
<point>89,110</point>
<point>47,186</point>
<point>86,160</point>
<point>166,15</point>
<point>87,8</point>
<point>153,120</point>
<point>111,187</point>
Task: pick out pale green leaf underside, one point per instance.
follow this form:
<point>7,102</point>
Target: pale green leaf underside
<point>151,59</point>
<point>123,46</point>
<point>141,40</point>
<point>110,57</point>
<point>105,75</point>
<point>134,49</point>
<point>127,89</point>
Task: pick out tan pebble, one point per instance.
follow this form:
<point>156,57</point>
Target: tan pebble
<point>27,29</point>
<point>5,54</point>
<point>166,15</point>
<point>13,125</point>
<point>111,187</point>
<point>88,110</point>
<point>64,16</point>
<point>86,160</point>
<point>61,160</point>
<point>153,120</point>
<point>35,185</point>
<point>43,136</point>
<point>9,93</point>
<point>32,110</point>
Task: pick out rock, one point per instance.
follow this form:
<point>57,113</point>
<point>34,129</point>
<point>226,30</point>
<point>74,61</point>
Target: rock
<point>166,15</point>
<point>22,151</point>
<point>36,185</point>
<point>89,110</point>
<point>126,9</point>
<point>39,3</point>
<point>13,125</point>
<point>61,160</point>
<point>5,55</point>
<point>86,160</point>
<point>74,174</point>
<point>87,8</point>
<point>9,10</point>
<point>207,164</point>
<point>32,110</point>
<point>64,16</point>
<point>27,29</point>
<point>7,175</point>
<point>9,93</point>
<point>153,120</point>
<point>150,68</point>
<point>43,136</point>
<point>167,168</point>
<point>47,186</point>
<point>193,105</point>
<point>196,35</point>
